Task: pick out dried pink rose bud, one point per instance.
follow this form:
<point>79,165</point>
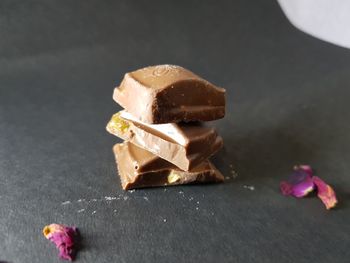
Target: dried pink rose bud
<point>325,193</point>
<point>63,237</point>
<point>302,182</point>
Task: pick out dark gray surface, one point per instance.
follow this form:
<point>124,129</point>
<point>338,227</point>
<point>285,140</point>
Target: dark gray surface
<point>288,103</point>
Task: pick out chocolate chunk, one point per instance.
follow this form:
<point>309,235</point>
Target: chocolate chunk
<point>167,93</point>
<point>139,168</point>
<point>184,145</point>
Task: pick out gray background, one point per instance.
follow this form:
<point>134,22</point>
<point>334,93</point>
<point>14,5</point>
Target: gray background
<point>287,103</point>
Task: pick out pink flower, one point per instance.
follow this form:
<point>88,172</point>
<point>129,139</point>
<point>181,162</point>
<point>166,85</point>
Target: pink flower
<point>325,193</point>
<point>63,237</point>
<point>302,182</point>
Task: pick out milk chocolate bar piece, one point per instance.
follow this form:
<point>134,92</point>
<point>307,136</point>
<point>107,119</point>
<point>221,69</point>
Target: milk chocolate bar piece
<point>139,168</point>
<point>167,93</point>
<point>185,145</point>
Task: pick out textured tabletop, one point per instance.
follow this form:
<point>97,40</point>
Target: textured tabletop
<point>287,103</point>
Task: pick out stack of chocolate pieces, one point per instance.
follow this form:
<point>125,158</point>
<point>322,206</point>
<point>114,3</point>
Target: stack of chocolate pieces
<point>165,140</point>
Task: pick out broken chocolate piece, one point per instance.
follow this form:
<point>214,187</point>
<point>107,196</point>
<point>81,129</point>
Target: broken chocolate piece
<point>139,168</point>
<point>167,94</point>
<point>184,145</point>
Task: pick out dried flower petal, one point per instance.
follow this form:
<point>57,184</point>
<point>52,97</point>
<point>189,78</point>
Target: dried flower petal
<point>306,168</point>
<point>300,183</point>
<point>325,193</point>
<point>63,237</point>
<point>303,182</point>
<point>286,188</point>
